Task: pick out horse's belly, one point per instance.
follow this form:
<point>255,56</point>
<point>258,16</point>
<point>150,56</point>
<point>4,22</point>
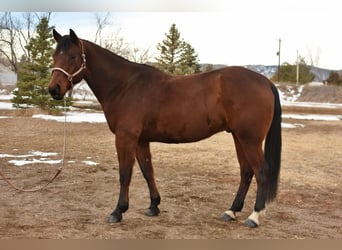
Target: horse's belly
<point>183,132</point>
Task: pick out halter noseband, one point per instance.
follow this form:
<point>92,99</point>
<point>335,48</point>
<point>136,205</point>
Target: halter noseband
<point>71,76</point>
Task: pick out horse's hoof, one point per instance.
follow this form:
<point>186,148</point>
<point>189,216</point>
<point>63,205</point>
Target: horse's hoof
<point>115,218</point>
<point>226,217</point>
<point>152,211</point>
<point>251,224</point>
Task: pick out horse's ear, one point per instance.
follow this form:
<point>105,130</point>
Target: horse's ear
<point>73,36</point>
<point>56,35</point>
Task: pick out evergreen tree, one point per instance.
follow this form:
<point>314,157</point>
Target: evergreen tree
<point>335,78</point>
<point>177,56</point>
<point>189,60</point>
<point>34,75</point>
<point>288,73</point>
<point>170,50</point>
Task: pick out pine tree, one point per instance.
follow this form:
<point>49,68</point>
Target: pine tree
<point>170,50</point>
<point>34,75</point>
<point>189,60</point>
<point>335,78</point>
<point>177,56</point>
<point>305,74</point>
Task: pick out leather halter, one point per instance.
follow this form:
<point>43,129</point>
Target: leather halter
<point>71,76</point>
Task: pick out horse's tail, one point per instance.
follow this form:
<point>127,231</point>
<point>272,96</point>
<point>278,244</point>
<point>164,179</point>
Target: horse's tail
<point>272,149</point>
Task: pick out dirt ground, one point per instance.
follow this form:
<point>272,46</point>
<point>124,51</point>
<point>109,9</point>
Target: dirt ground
<point>197,183</point>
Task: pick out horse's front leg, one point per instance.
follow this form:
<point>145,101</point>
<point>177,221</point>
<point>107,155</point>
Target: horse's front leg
<point>145,163</point>
<point>126,148</point>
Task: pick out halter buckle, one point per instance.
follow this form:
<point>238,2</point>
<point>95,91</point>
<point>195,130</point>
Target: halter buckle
<point>70,78</point>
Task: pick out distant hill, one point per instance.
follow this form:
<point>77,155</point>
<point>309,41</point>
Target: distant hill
<point>321,74</point>
<point>267,71</point>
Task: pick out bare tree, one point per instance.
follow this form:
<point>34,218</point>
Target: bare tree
<point>16,30</point>
<point>101,23</point>
<point>8,37</point>
<point>116,43</point>
<point>314,57</point>
<point>139,55</point>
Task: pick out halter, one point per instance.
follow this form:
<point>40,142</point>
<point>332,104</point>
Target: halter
<point>71,76</point>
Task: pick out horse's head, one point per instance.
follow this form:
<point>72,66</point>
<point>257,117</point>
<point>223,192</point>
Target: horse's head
<point>68,64</point>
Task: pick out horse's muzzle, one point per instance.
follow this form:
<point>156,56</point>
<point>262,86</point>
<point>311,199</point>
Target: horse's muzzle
<point>55,92</point>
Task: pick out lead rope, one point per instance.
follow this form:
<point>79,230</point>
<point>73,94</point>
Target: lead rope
<point>59,170</point>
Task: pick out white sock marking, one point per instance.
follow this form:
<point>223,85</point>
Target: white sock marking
<point>231,214</point>
<point>254,217</point>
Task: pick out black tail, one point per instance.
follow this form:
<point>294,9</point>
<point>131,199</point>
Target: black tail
<point>272,149</point>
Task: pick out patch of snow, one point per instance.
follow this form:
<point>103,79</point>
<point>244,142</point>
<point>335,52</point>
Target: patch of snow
<point>33,161</point>
<point>31,154</point>
<point>313,117</point>
<point>90,163</point>
<point>14,156</point>
<point>83,102</point>
<point>6,105</point>
<point>293,93</point>
<point>75,117</point>
<point>5,97</point>
<point>313,104</point>
<point>42,158</point>
<point>42,154</point>
<point>315,84</point>
<point>292,125</point>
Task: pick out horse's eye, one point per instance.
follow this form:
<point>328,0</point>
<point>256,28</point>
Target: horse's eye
<point>72,57</point>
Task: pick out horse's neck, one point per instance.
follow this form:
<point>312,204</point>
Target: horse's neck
<point>106,72</point>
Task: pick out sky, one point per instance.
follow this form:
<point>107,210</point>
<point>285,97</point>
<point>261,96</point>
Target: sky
<point>221,31</point>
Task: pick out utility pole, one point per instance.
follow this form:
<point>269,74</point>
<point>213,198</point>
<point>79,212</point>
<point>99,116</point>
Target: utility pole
<point>297,75</point>
<point>278,54</point>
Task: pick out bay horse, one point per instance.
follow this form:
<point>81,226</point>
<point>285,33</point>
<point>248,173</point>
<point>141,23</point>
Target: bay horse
<point>143,104</point>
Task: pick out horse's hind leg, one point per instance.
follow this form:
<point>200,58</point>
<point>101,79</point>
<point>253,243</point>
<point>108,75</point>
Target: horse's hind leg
<point>255,158</point>
<point>143,156</point>
<point>251,159</point>
<point>261,179</point>
<point>246,175</point>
